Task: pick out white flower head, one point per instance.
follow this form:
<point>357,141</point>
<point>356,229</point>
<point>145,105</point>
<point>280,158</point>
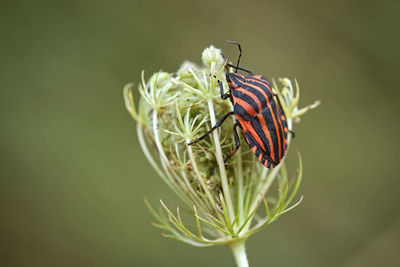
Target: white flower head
<point>212,55</point>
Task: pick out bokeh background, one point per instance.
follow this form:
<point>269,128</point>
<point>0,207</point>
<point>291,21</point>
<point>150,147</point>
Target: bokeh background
<point>73,177</point>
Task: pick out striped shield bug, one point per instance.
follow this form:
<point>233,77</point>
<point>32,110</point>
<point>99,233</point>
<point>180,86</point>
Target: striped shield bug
<point>258,114</point>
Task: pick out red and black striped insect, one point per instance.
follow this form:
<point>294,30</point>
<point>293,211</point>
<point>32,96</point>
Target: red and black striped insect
<point>258,114</point>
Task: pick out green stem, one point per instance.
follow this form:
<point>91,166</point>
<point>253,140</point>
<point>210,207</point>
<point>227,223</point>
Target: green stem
<point>240,191</point>
<point>239,252</point>
<point>221,164</point>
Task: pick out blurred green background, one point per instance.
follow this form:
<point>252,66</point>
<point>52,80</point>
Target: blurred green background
<point>73,177</point>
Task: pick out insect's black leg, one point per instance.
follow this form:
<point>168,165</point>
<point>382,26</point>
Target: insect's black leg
<point>221,87</point>
<point>212,129</point>
<point>237,142</point>
<point>240,53</point>
<point>293,134</point>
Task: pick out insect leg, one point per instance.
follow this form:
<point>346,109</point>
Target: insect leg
<point>219,123</point>
<point>221,87</point>
<point>237,142</point>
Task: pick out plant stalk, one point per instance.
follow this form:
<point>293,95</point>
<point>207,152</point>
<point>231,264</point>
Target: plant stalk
<point>239,252</point>
<point>221,165</point>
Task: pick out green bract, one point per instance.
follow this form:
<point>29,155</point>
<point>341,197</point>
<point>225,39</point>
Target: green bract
<point>223,198</point>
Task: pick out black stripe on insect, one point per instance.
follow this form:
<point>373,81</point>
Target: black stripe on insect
<point>265,130</point>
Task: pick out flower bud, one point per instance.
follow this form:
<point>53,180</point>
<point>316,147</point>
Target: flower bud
<point>212,55</point>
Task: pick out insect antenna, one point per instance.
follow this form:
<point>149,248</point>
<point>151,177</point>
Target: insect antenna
<point>240,53</point>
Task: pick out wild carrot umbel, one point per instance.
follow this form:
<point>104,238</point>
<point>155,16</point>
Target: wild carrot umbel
<point>224,198</point>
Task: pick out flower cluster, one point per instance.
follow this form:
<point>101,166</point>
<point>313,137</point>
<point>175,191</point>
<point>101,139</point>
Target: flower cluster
<point>224,198</point>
